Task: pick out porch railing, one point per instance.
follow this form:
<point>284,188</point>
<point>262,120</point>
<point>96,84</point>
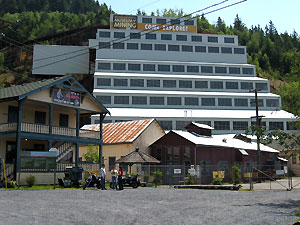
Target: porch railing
<point>44,129</point>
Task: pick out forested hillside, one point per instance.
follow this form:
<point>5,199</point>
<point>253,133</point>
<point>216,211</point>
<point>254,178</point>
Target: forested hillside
<point>276,55</point>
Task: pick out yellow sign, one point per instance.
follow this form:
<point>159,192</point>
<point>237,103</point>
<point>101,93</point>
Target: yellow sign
<point>219,174</point>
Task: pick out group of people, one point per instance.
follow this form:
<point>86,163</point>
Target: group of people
<point>117,177</point>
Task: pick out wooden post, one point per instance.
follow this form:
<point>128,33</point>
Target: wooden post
<point>54,178</point>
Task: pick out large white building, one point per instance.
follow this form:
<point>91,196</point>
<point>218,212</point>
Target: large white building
<point>146,68</point>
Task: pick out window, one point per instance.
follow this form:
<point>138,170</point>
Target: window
<point>200,48</point>
<point>206,69</point>
<point>161,21</point>
<point>153,83</point>
<point>248,71</point>
<point>241,102</point>
<point>146,20</point>
<point>246,85</point>
<point>191,101</point>
<point>192,69</point>
<point>112,162</point>
<point>103,82</point>
<point>119,66</point>
<point>222,125</point>
<point>239,51</point>
<point>292,126</point>
<point>276,125</point>
<point>219,69</point>
<point>260,103</point>
<point>118,46</point>
<point>120,82</point>
<point>178,68</point>
<point>169,83</point>
<point>189,22</point>
<point>12,114</point>
<point>151,36</point>
<point>212,39</point>
<point>174,100</point>
<point>180,37</point>
<point>148,67</point>
<point>213,49</point>
<point>197,38</point>
<point>175,21</point>
<point>294,158</point>
<point>104,99</point>
<point>135,35</point>
<point>63,120</point>
<point>146,46</point>
<point>272,103</point>
<point>201,84</point>
<point>234,70</point>
<point>216,85</point>
<point>187,48</point>
<point>136,82</point>
<point>226,50</point>
<point>133,46</point>
<point>173,48</point>
<point>164,68</point>
<point>139,100</point>
<point>240,125</point>
<point>157,101</point>
<point>160,47</point>
<point>40,117</point>
<point>119,34</point>
<point>104,34</point>
<point>208,102</point>
<point>185,84</point>
<point>166,37</point>
<point>262,86</point>
<point>104,66</point>
<point>181,124</point>
<point>124,100</point>
<point>224,102</point>
<point>134,67</point>
<point>263,124</point>
<point>165,125</point>
<point>232,85</point>
<point>103,45</point>
<point>228,40</point>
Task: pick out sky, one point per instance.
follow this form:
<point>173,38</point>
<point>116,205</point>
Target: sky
<point>283,13</point>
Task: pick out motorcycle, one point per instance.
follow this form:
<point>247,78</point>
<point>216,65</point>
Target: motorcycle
<point>92,181</point>
<point>130,181</point>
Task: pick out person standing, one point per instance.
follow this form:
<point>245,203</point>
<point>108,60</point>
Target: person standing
<point>103,175</point>
<point>114,174</point>
<point>120,178</point>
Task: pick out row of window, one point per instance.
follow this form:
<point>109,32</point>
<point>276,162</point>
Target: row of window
<point>163,37</point>
<point>175,68</point>
<point>171,48</point>
<point>219,125</point>
<point>167,21</point>
<point>186,101</point>
<point>157,83</point>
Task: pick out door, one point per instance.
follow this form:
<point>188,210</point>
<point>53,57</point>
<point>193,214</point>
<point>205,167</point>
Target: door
<point>12,114</point>
<point>11,152</point>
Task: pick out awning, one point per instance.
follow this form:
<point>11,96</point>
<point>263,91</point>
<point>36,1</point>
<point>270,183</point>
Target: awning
<point>243,152</point>
<point>282,159</point>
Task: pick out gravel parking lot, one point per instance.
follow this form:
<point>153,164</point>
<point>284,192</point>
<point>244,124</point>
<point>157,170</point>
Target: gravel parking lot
<point>148,206</point>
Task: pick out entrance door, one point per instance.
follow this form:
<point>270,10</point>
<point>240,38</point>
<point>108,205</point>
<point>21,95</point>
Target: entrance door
<point>11,152</point>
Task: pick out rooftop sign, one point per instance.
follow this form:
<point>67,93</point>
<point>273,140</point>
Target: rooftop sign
<point>124,21</point>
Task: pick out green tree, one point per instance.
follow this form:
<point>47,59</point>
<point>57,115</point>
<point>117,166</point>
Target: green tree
<point>157,177</point>
<point>92,154</point>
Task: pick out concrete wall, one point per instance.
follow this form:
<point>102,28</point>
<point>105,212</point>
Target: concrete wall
<point>41,178</point>
<point>67,59</point>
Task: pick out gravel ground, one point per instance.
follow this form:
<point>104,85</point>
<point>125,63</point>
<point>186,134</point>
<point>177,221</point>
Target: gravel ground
<point>148,206</point>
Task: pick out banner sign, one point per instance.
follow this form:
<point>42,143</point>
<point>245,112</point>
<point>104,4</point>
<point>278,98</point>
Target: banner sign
<point>66,96</point>
<point>124,21</point>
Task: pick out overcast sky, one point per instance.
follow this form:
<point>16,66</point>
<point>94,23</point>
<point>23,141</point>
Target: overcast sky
<point>284,13</point>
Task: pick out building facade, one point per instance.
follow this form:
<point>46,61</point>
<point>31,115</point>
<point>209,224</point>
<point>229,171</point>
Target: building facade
<point>160,67</point>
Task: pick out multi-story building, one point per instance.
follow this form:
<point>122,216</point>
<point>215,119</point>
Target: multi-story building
<point>147,68</point>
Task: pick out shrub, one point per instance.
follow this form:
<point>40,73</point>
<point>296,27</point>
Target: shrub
<point>157,177</point>
<point>236,175</point>
<point>146,178</point>
<point>30,180</point>
<point>190,179</point>
<point>217,181</point>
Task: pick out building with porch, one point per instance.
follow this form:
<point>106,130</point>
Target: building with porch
<point>46,114</point>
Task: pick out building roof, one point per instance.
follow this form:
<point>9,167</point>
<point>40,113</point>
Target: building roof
<point>121,132</point>
<point>190,114</point>
<point>204,126</point>
<point>224,140</point>
<point>137,156</point>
